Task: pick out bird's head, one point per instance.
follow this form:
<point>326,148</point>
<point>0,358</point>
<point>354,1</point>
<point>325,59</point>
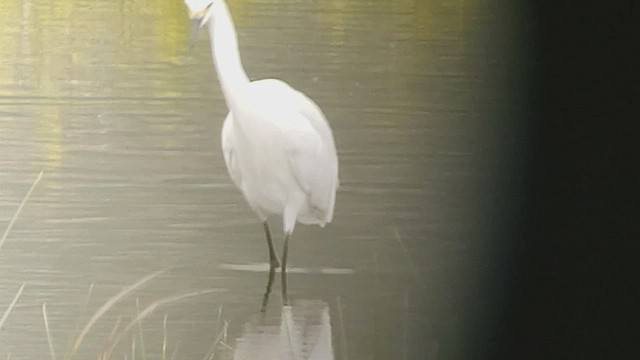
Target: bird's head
<point>199,13</point>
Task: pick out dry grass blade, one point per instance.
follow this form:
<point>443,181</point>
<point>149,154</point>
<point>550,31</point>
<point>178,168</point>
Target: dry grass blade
<point>15,216</point>
<point>133,349</point>
<point>212,350</point>
<point>114,330</point>
<point>226,346</point>
<point>414,267</point>
<point>175,351</point>
<point>104,308</point>
<point>46,327</point>
<point>150,309</point>
<point>77,322</point>
<point>164,337</point>
<point>13,303</point>
<point>143,350</point>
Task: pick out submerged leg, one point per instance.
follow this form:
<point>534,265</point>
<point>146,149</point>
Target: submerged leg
<point>273,258</point>
<point>265,299</point>
<point>285,250</point>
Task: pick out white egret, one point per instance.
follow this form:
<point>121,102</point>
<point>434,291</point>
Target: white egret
<point>277,144</point>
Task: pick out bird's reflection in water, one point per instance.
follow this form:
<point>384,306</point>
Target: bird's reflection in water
<point>301,331</point>
<point>267,293</point>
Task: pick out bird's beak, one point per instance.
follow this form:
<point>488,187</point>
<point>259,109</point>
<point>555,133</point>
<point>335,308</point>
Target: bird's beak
<point>196,24</point>
<point>197,20</point>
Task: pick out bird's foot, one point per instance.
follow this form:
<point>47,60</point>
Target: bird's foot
<point>274,263</point>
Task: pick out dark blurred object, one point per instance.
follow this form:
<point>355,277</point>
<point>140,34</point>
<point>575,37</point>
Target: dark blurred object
<point>574,293</point>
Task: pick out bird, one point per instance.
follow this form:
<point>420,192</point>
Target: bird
<point>277,144</point>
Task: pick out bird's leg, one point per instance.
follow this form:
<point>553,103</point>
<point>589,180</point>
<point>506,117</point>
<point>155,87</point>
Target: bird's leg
<point>273,257</point>
<point>265,299</point>
<point>285,250</point>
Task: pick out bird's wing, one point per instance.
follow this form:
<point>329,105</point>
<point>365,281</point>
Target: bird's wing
<point>228,149</point>
<point>307,108</point>
<point>305,138</point>
<point>311,150</point>
<point>305,155</point>
<point>315,169</point>
<point>319,171</point>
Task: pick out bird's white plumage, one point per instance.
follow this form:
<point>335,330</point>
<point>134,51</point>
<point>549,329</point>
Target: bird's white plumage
<point>277,144</point>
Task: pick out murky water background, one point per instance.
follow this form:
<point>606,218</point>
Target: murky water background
<point>106,98</point>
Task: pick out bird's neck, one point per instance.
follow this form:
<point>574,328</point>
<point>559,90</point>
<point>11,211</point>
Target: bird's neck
<point>224,49</point>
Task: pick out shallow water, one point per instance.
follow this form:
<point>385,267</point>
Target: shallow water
<point>107,99</point>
